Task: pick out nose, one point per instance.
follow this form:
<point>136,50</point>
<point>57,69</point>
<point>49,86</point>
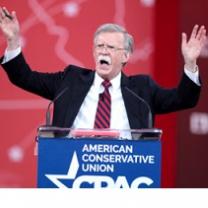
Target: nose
<point>104,50</point>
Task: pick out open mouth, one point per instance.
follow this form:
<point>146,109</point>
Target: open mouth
<point>104,60</point>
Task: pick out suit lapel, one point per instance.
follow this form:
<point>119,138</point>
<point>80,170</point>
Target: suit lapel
<point>77,96</point>
<point>136,110</point>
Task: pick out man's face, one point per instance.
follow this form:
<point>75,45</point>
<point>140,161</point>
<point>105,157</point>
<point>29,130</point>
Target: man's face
<point>109,54</point>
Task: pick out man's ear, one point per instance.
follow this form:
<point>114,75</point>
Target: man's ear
<point>126,57</point>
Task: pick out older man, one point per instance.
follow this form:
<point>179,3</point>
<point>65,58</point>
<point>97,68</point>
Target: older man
<point>104,97</point>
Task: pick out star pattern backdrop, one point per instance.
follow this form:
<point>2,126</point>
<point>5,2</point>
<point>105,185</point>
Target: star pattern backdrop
<point>55,33</point>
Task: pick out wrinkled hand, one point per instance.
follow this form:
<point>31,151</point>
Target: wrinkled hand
<point>9,26</point>
<point>191,48</point>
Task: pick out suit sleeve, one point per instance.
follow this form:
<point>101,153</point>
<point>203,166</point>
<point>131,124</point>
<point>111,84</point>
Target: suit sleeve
<point>186,95</point>
<point>42,84</point>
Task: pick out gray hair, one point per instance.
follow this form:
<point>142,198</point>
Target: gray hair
<point>109,27</point>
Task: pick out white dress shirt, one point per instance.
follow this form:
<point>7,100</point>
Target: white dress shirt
<point>87,112</point>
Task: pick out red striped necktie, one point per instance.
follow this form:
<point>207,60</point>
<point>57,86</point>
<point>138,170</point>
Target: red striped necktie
<point>102,118</point>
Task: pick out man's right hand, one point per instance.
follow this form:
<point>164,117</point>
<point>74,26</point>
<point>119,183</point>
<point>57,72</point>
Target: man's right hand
<point>9,26</point>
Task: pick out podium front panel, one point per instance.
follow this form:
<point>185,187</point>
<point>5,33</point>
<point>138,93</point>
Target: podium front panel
<point>94,163</point>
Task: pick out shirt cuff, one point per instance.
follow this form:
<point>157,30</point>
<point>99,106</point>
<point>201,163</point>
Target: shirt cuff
<point>9,55</point>
<point>194,76</point>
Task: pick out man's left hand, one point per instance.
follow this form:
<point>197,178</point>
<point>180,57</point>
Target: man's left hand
<point>191,48</point>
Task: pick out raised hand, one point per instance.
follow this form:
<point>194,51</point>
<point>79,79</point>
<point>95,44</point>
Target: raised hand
<point>191,48</point>
<point>9,26</point>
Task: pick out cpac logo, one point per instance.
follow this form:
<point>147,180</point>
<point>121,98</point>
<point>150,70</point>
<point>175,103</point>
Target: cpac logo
<point>95,181</point>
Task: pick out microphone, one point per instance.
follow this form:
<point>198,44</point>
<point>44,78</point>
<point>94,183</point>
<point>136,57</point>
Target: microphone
<point>146,104</point>
<point>48,114</point>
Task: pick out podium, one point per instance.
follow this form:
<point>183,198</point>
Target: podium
<point>87,158</point>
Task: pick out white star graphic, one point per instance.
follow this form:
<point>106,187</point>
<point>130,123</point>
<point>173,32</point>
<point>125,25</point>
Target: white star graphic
<point>71,174</point>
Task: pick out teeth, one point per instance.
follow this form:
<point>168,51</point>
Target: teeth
<point>104,59</point>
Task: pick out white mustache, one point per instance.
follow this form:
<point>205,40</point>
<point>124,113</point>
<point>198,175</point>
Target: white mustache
<point>104,59</point>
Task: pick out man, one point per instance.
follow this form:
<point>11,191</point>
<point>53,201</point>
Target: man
<point>130,97</point>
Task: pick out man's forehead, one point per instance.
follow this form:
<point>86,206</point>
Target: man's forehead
<point>110,36</point>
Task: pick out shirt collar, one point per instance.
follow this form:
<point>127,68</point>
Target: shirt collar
<point>115,82</point>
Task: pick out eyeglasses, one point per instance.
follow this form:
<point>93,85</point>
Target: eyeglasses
<point>107,47</point>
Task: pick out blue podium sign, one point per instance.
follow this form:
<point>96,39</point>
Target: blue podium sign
<point>94,163</point>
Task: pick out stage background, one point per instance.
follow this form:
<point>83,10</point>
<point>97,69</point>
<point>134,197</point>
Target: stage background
<point>57,33</point>
<point>192,131</point>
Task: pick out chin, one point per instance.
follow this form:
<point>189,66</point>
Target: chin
<point>103,74</point>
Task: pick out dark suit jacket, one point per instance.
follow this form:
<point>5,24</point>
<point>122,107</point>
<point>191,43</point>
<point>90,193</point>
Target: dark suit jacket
<point>79,80</point>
